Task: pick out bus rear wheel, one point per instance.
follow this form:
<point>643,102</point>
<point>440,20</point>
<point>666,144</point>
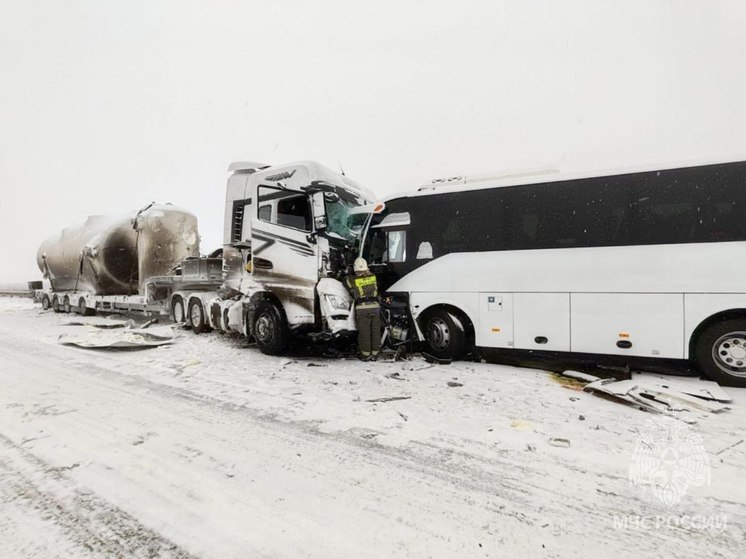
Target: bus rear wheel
<point>720,352</point>
<point>270,328</point>
<point>444,334</point>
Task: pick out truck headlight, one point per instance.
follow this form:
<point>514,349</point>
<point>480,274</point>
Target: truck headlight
<point>337,302</point>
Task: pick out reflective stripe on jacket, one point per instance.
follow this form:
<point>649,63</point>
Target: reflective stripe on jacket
<point>364,288</point>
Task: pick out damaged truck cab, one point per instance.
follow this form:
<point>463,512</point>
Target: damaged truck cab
<point>287,242</point>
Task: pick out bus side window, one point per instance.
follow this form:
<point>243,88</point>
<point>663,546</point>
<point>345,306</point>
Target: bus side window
<point>377,247</point>
<point>397,246</point>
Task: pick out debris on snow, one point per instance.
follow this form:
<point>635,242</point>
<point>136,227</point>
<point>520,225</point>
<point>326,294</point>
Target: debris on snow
<point>125,338</point>
<point>98,322</point>
<point>656,395</point>
<point>389,399</point>
<point>577,375</point>
<point>453,384</point>
<point>560,442</point>
<point>730,446</point>
<point>436,360</point>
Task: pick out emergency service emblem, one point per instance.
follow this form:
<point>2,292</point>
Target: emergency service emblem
<point>670,458</point>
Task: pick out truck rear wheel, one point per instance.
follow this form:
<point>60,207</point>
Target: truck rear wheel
<point>56,304</point>
<point>46,304</point>
<point>66,304</point>
<point>270,328</point>
<point>720,352</point>
<point>83,309</point>
<point>177,310</point>
<point>197,318</point>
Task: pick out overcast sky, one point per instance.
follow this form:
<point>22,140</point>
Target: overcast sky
<point>106,106</point>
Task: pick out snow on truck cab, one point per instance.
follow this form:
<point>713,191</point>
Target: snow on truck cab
<point>288,240</point>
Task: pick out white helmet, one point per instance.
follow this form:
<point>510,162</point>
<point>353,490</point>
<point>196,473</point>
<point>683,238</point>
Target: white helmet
<point>360,265</point>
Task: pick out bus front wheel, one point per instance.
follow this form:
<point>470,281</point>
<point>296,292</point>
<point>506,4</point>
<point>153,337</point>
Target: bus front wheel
<point>720,352</point>
<point>444,334</point>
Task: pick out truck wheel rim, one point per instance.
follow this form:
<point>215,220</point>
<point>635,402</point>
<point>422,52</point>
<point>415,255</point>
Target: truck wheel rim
<point>729,353</point>
<point>196,315</point>
<point>81,306</point>
<point>438,333</point>
<point>264,329</point>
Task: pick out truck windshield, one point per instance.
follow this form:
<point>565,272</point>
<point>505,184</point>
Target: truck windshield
<point>337,216</point>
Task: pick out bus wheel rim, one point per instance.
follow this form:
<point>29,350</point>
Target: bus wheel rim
<point>729,353</point>
<point>439,335</point>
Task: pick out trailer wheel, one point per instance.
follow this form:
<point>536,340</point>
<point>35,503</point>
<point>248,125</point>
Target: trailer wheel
<point>46,304</point>
<point>270,328</point>
<point>66,304</point>
<point>83,309</point>
<point>197,318</point>
<point>444,334</point>
<point>177,310</point>
<point>56,304</point>
<point>720,352</point>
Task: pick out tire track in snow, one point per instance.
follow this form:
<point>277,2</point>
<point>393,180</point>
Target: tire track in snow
<point>92,526</point>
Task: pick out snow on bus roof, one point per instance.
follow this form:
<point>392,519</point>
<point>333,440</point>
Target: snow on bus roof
<point>460,183</point>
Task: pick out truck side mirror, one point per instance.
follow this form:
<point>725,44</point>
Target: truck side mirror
<point>319,211</point>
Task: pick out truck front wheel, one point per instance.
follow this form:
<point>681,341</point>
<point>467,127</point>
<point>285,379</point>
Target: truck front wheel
<point>270,328</point>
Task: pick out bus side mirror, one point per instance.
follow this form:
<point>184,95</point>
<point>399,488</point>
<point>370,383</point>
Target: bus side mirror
<point>319,211</point>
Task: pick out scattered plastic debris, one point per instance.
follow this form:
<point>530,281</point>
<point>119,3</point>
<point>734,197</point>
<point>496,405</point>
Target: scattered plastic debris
<point>658,395</point>
<point>124,338</point>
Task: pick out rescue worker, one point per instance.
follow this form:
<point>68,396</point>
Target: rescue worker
<point>364,289</point>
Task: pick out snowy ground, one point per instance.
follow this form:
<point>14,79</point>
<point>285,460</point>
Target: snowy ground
<point>207,448</point>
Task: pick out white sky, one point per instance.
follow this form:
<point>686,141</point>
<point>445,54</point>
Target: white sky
<point>107,106</point>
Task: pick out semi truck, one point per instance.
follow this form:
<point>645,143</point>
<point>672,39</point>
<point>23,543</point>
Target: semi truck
<point>290,232</point>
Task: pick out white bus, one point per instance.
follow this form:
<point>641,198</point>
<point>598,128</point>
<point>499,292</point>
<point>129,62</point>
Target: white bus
<point>644,264</point>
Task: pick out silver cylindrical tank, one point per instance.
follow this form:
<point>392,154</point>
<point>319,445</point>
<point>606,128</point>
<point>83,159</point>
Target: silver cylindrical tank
<point>113,255</point>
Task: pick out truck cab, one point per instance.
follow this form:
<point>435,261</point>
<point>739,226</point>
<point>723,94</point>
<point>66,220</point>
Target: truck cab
<point>287,241</point>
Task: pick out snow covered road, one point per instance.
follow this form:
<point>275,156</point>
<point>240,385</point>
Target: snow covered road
<point>207,448</point>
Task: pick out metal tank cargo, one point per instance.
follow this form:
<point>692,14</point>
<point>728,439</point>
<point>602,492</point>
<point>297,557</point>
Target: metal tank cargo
<point>115,255</point>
